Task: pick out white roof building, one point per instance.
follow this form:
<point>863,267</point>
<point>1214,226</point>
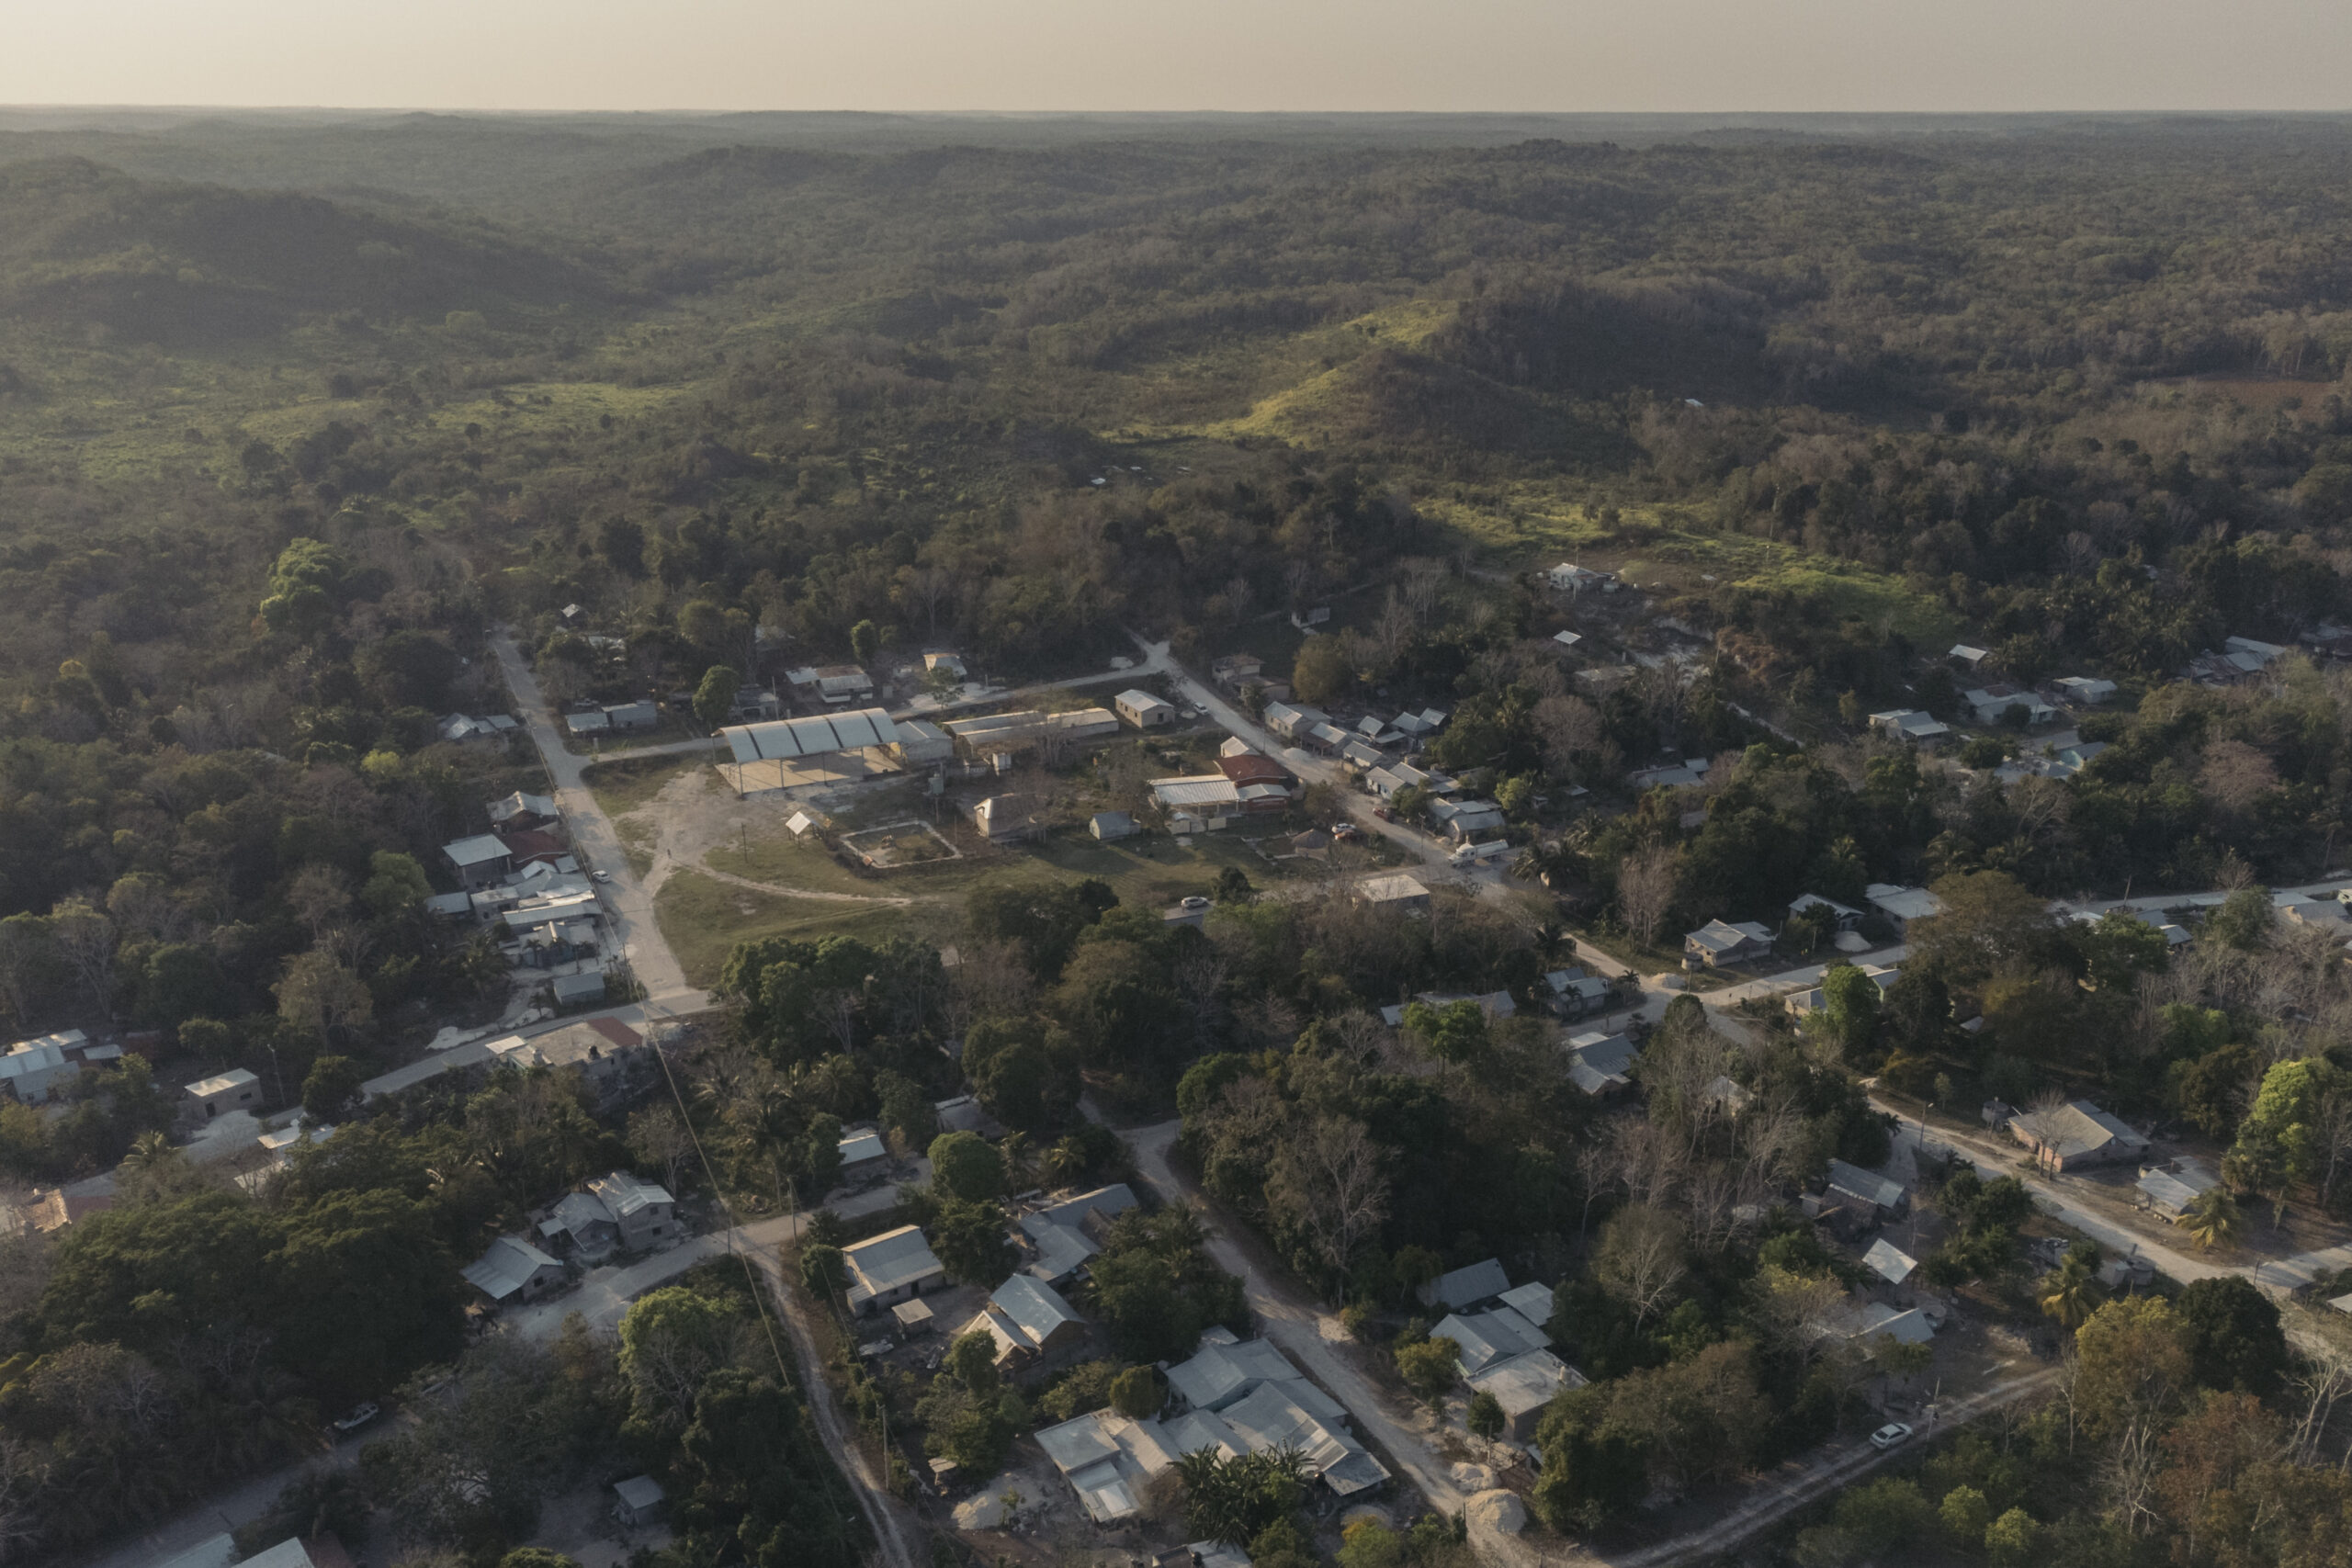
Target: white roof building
<point>891,1266</point>
<point>1909,724</point>
<point>1902,905</point>
<point>511,1267</point>
<point>1889,1262</point>
<point>787,739</point>
<point>1028,1319</point>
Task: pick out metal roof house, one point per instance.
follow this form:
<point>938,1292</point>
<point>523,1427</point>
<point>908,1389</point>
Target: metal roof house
<point>1722,942</point>
<point>891,1268</point>
<point>1601,1064</point>
<point>480,860</point>
<point>2078,1134</point>
<point>1843,916</point>
<point>1030,1323</point>
<point>1882,1195</point>
<point>1465,1287</point>
<point>1902,905</point>
<point>1482,1339</point>
<point>1909,724</point>
<point>511,1270</point>
<point>1393,892</point>
<point>1889,1262</point>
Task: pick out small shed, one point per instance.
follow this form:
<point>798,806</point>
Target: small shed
<point>914,1317</point>
<point>578,990</point>
<point>1107,826</point>
<point>638,1500</point>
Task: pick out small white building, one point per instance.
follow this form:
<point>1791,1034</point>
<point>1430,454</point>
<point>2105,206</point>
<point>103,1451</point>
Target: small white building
<point>208,1098</point>
<point>2087,690</point>
<point>1902,905</point>
<point>891,1268</point>
<point>1719,943</point>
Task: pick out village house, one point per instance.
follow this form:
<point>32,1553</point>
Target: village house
<point>2075,1134</point>
<point>480,860</point>
<point>1901,906</point>
<point>1143,710</point>
<point>1719,943</point>
<point>1909,724</point>
<point>511,1270</point>
<point>1033,1327</point>
<point>895,1265</point>
<point>209,1098</point>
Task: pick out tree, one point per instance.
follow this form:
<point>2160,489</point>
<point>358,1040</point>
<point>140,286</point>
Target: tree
<point>971,1361</point>
<point>969,1241</point>
<point>2133,1364</point>
<point>1321,673</point>
<point>715,698</point>
<point>396,885</point>
<point>1647,883</point>
<point>1136,1394</point>
<point>322,996</point>
<point>1594,1470</point>
<point>1430,1367</point>
<point>29,957</point>
<point>659,1138</point>
<point>2212,1217</point>
<point>2071,1291</point>
<point>2213,1090</point>
<point>1326,1180</point>
<point>964,1165</point>
<point>1964,1516</point>
<point>1641,1258</point>
<point>85,938</point>
<point>2280,1140</point>
<point>1235,1500</point>
<point>1850,1009</point>
<point>1989,922</point>
<point>331,1091</point>
<point>1455,1034</point>
<point>2244,922</point>
<point>2009,1541</point>
<point>864,641</point>
<point>2235,1341</point>
<point>1485,1416</point>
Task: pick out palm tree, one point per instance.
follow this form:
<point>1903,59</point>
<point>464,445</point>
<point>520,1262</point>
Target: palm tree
<point>1063,1162</point>
<point>1020,1162</point>
<point>2212,1217</point>
<point>2072,1292</point>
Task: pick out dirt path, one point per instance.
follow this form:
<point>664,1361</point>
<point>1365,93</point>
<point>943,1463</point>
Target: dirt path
<point>1304,1332</point>
<point>895,1530</point>
<point>1829,1470</point>
<point>690,817</point>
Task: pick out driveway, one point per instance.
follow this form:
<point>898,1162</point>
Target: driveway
<point>627,904</point>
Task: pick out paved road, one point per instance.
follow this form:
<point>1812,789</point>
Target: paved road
<point>627,904</point>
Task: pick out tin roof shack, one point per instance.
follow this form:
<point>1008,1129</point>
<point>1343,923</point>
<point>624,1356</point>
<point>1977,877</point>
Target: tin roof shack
<point>35,1069</point>
<point>637,1501</point>
<point>1108,827</point>
<point>1902,905</point>
<point>479,861</point>
<point>1482,1339</point>
<point>1881,1197</point>
<point>2075,1134</point>
<point>1910,724</point>
<point>864,1157</point>
<point>891,1268</point>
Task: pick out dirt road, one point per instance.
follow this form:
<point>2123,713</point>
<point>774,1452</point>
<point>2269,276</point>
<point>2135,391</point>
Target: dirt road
<point>1304,1332</point>
<point>627,905</point>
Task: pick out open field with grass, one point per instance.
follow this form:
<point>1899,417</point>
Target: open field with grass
<point>622,787</point>
<point>705,918</point>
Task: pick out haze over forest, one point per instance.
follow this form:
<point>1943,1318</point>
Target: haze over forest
<point>1683,655</point>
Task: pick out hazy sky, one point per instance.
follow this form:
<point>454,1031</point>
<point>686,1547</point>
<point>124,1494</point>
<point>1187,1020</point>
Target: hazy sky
<point>1183,54</point>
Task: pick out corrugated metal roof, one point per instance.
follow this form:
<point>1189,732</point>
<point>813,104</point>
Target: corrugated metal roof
<point>784,740</point>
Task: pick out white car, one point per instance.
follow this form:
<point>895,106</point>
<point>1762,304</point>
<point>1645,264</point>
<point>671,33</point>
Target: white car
<point>600,876</point>
<point>360,1416</point>
<point>1194,902</point>
<point>1886,1436</point>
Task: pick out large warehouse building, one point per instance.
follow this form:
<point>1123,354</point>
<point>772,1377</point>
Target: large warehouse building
<point>783,753</point>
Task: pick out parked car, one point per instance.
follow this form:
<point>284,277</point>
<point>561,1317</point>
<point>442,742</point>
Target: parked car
<point>359,1416</point>
<point>1193,902</point>
<point>1886,1436</point>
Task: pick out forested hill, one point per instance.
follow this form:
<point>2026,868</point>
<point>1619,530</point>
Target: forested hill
<point>82,244</point>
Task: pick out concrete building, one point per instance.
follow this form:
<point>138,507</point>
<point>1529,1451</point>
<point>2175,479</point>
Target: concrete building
<point>1143,710</point>
<point>35,1069</point>
<point>234,1090</point>
<point>612,1059</point>
<point>1524,1386</point>
<point>637,1501</point>
<point>1108,827</point>
<point>1395,892</point>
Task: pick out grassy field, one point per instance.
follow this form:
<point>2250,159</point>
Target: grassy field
<point>621,787</point>
<point>704,919</point>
